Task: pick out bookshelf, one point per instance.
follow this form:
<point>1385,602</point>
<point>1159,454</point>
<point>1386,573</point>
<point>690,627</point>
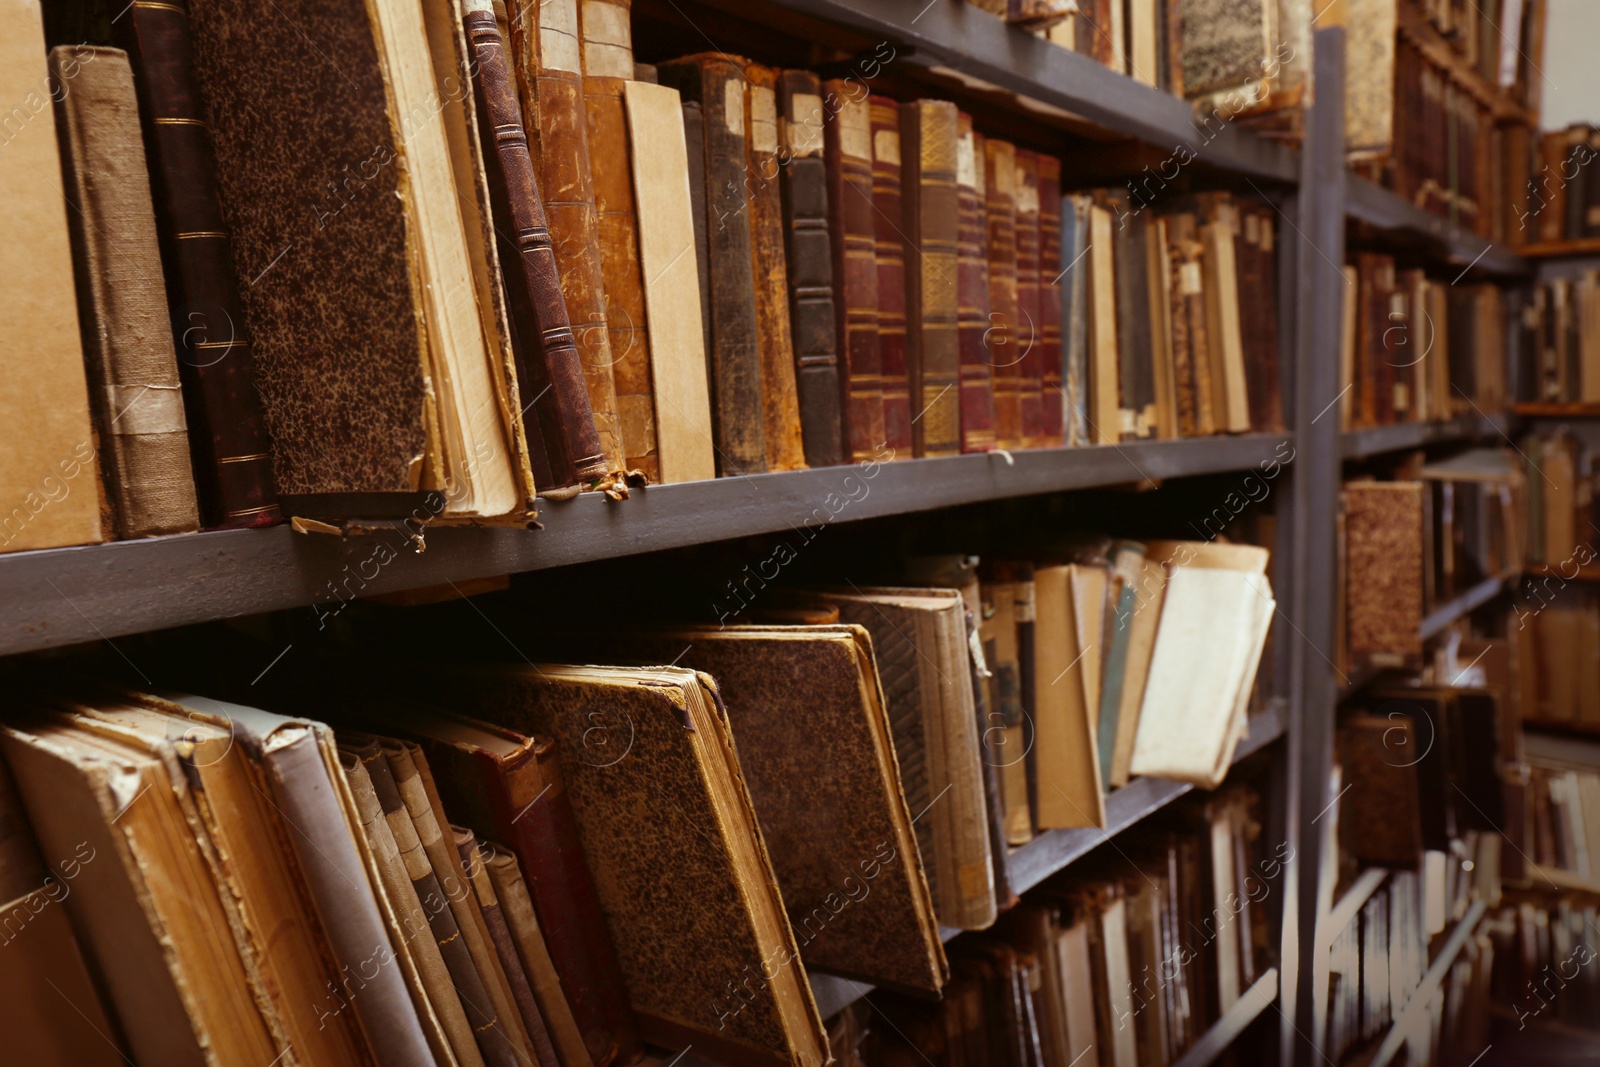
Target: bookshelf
<point>1538,409</point>
<point>1255,1000</point>
<point>1374,441</point>
<point>1587,246</point>
<point>1463,605</point>
<point>1417,1002</point>
<point>1439,239</point>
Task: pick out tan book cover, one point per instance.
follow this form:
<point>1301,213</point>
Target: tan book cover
<point>1068,786</point>
<point>1105,413</point>
<point>46,993</point>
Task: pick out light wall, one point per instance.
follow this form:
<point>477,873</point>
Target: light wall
<point>1571,72</point>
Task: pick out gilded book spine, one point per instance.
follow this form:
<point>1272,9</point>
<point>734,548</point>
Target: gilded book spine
<point>929,133</point>
<point>1003,340</point>
<point>1050,282</point>
<point>972,294</point>
<point>889,250</point>
<point>1029,334</point>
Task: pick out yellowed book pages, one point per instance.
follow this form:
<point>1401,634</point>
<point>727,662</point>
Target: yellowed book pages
<point>1077,980</point>
<point>1105,403</point>
<point>1148,597</point>
<point>1215,554</point>
<point>1143,42</point>
<point>1114,944</point>
<point>1066,761</point>
<point>671,283</point>
<point>1219,819</point>
<point>48,477</point>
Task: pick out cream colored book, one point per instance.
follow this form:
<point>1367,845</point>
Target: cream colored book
<point>671,282</point>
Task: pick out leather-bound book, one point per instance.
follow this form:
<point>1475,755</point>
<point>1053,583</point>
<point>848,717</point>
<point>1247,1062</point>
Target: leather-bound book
<point>972,293</point>
<point>1075,311</point>
<point>1029,335</point>
<point>1259,287</point>
<point>558,412</point>
<point>1230,395</point>
<point>780,403</point>
<point>607,67</point>
<point>1050,317</point>
<point>559,135</point>
<point>1385,561</point>
<point>127,336</point>
<point>228,437</point>
<point>506,787</point>
<point>1135,363</point>
<point>803,182</point>
<point>1380,815</point>
<point>890,257</point>
<point>737,407</point>
<point>669,259</point>
<point>1159,291</point>
<point>852,222</point>
<point>354,381</point>
<point>1191,381</point>
<point>695,900</point>
<point>1005,337</point>
<point>694,145</point>
<point>929,135</point>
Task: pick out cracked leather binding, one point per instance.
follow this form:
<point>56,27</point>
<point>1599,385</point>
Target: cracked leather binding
<point>1003,336</point>
<point>780,402</point>
<point>127,335</point>
<point>715,80</point>
<point>806,211</point>
<point>1050,280</point>
<point>558,413</point>
<point>847,146</point>
<point>929,135</point>
<point>972,293</point>
<point>890,257</point>
<point>228,436</point>
<point>607,67</point>
<point>1029,334</point>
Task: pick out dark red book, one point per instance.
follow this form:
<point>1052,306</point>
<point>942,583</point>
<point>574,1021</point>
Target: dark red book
<point>891,261</point>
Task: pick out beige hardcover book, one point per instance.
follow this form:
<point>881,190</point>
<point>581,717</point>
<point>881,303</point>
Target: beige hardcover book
<point>1148,598</point>
<point>46,993</point>
<point>1219,820</point>
<point>671,283</point>
<point>1159,279</point>
<point>1114,947</point>
<point>1103,386</point>
<point>1143,40</point>
<point>48,478</point>
<point>1077,984</point>
<point>1089,589</point>
<point>1213,625</point>
<point>1222,319</point>
<point>1068,771</point>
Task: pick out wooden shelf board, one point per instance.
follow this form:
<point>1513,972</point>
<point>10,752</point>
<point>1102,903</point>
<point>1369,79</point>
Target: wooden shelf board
<point>1583,246</point>
<point>1377,440</point>
<point>1545,409</point>
<point>69,595</point>
<point>1553,726</point>
<point>1467,602</point>
<point>1454,246</point>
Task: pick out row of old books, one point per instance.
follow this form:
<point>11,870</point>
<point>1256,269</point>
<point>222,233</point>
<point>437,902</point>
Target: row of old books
<point>1543,951</point>
<point>1410,545</point>
<point>1426,123</point>
<point>1559,341</point>
<point>1416,349</point>
<point>1563,812</point>
<point>1563,196</point>
<point>1124,967</point>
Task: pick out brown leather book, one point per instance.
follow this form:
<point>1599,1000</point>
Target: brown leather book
<point>736,368</point>
<point>396,255</point>
<point>482,892</point>
<point>1259,290</point>
<point>558,133</point>
<point>780,402</point>
<point>398,853</point>
<point>557,414</point>
<point>889,259</point>
<point>701,889</point>
<point>694,145</point>
<point>806,212</point>
<point>1004,336</point>
<point>1380,819</point>
<point>1135,359</point>
<point>607,67</point>
<point>1050,308</point>
<point>852,222</point>
<point>783,685</point>
<point>929,139</point>
<point>1029,331</point>
<point>1385,560</point>
<point>972,293</point>
<point>228,436</point>
<point>127,336</point>
<point>1191,384</point>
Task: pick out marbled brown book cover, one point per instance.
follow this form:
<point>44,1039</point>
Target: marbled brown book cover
<point>1383,570</point>
<point>1379,819</point>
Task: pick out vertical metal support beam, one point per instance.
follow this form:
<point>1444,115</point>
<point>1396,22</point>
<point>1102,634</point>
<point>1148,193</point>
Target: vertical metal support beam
<point>1319,295</point>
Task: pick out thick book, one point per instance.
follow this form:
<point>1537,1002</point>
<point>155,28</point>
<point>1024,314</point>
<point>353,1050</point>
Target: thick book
<point>397,255</point>
<point>607,68</point>
<point>972,292</point>
<point>44,1020</point>
<point>558,132</point>
<point>703,889</point>
<point>929,138</point>
<point>738,412</point>
<point>672,285</point>
<point>1029,329</point>
<point>780,404</point>
<point>890,264</point>
<point>1258,283</point>
<point>1186,323</point>
<point>1385,561</point>
<point>1005,338</point>
<point>233,467</point>
<point>49,474</point>
<point>1005,743</point>
<point>1050,308</point>
<point>847,146</point>
<point>1136,372</point>
<point>1127,558</point>
<point>557,420</point>
<point>1069,778</point>
<point>1230,395</point>
<point>1105,391</point>
<point>127,337</point>
<point>803,183</point>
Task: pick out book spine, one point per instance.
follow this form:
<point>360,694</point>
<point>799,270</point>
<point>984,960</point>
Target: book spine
<point>558,413</point>
<point>559,133</point>
<point>804,185</point>
<point>929,134</point>
<point>847,140</point>
<point>1184,396</point>
<point>1054,433</point>
<point>694,146</point>
<point>228,437</point>
<point>737,410</point>
<point>780,402</point>
<point>889,254</point>
<point>607,66</point>
<point>1029,327</point>
<point>972,294</point>
<point>1075,290</point>
<point>1002,334</point>
<point>137,399</point>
